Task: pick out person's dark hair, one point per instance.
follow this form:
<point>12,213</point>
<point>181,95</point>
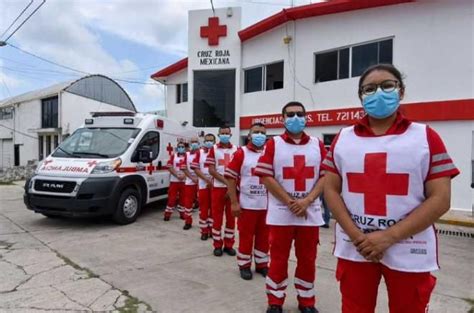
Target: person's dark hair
<point>210,135</point>
<point>223,127</point>
<point>381,67</point>
<point>257,124</point>
<point>293,104</point>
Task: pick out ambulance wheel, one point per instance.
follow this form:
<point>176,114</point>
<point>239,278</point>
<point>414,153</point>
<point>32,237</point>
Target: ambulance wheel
<point>128,208</point>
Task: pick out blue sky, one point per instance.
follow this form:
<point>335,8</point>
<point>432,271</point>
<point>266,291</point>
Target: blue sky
<point>122,39</point>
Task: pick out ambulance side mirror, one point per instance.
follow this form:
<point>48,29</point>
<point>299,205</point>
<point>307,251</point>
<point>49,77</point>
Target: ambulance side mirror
<point>145,154</point>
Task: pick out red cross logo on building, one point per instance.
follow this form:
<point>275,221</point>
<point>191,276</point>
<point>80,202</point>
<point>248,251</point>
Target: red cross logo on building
<point>225,161</point>
<point>91,163</point>
<point>299,172</point>
<point>259,178</point>
<point>375,183</point>
<point>170,149</point>
<point>213,31</point>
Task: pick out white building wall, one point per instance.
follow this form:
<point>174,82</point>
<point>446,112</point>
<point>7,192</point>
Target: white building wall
<point>180,111</point>
<point>27,121</point>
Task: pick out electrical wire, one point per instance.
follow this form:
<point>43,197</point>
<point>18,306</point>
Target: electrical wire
<point>29,16</point>
<point>8,28</point>
<point>18,132</point>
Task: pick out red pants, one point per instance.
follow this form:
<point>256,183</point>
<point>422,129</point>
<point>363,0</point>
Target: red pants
<point>205,217</point>
<point>306,240</point>
<point>252,226</point>
<point>359,281</point>
<point>175,198</point>
<point>188,202</point>
<point>219,205</point>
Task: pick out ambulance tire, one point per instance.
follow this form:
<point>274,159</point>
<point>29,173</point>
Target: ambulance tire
<point>128,207</point>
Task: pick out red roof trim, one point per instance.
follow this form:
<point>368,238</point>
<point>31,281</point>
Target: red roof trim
<point>173,68</point>
<point>310,10</point>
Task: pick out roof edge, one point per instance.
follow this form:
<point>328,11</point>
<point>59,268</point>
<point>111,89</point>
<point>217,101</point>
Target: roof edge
<point>169,70</point>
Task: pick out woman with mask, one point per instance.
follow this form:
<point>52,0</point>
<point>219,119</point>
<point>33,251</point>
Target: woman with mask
<point>388,180</point>
<point>205,185</point>
<point>290,169</point>
<point>177,177</point>
<point>250,206</point>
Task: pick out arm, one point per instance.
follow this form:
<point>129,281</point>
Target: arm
<point>201,175</point>
<point>438,192</point>
<point>187,173</point>
<point>232,191</point>
<point>214,173</point>
<point>173,172</point>
<point>299,206</point>
<point>332,195</point>
<point>276,190</point>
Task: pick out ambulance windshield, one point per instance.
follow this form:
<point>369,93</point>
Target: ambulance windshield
<point>96,143</point>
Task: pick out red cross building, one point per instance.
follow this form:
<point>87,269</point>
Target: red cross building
<point>225,161</point>
<point>260,181</point>
<point>375,184</point>
<point>170,149</point>
<point>91,163</point>
<point>213,31</point>
<point>299,172</point>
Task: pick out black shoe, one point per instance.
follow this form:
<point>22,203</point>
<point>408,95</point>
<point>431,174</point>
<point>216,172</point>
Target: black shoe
<point>325,226</point>
<point>275,309</point>
<point>230,251</point>
<point>218,252</point>
<point>246,273</point>
<point>166,218</point>
<point>262,271</point>
<point>308,309</point>
<point>187,226</point>
<point>204,236</point>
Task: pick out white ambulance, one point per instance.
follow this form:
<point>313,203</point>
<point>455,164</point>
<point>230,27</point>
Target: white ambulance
<point>113,165</point>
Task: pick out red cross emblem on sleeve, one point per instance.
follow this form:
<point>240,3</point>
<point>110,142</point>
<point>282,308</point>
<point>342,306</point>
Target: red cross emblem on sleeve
<point>375,184</point>
<point>225,161</point>
<point>299,172</point>
<point>213,31</point>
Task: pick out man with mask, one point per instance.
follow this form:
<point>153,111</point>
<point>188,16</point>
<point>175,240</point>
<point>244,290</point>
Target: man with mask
<point>205,185</point>
<point>290,168</point>
<point>190,184</point>
<point>217,160</point>
<point>251,205</point>
<point>177,177</point>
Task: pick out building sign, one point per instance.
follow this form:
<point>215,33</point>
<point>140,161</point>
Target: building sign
<point>213,57</point>
<point>213,31</point>
<point>422,111</point>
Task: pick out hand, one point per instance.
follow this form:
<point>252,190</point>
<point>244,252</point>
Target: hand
<point>227,196</point>
<point>195,180</point>
<point>181,176</point>
<point>373,246</point>
<point>235,208</point>
<point>209,183</point>
<point>299,206</point>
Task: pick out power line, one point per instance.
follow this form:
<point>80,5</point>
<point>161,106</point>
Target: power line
<point>18,132</point>
<point>6,87</point>
<point>76,70</point>
<point>19,26</point>
<point>8,28</point>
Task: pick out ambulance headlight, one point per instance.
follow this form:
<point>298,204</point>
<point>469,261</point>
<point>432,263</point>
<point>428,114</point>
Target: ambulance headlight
<point>107,167</point>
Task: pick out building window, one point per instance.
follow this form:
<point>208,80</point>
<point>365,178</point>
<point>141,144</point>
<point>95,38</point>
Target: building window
<point>40,148</point>
<point>56,141</point>
<point>351,61</point>
<point>49,113</point>
<point>253,79</point>
<point>6,113</point>
<point>48,145</point>
<point>269,75</point>
<point>214,98</point>
<point>182,93</point>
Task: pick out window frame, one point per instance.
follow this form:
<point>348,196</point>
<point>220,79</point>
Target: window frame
<point>180,92</point>
<point>134,158</point>
<point>264,76</point>
<point>51,122</point>
<point>338,49</point>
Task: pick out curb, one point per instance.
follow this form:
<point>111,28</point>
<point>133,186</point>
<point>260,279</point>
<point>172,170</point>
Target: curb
<point>457,222</point>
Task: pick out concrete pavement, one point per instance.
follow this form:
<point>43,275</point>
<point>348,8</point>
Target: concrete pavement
<point>94,265</point>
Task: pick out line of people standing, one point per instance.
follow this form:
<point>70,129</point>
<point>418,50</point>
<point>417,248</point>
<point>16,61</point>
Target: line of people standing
<point>386,180</point>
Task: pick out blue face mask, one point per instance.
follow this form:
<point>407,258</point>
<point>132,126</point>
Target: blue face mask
<point>181,149</point>
<point>225,139</point>
<point>381,104</point>
<point>258,139</point>
<point>194,146</point>
<point>208,144</point>
<point>295,124</point>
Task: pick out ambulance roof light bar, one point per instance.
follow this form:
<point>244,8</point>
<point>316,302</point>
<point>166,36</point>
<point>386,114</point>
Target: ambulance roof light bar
<point>102,114</point>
